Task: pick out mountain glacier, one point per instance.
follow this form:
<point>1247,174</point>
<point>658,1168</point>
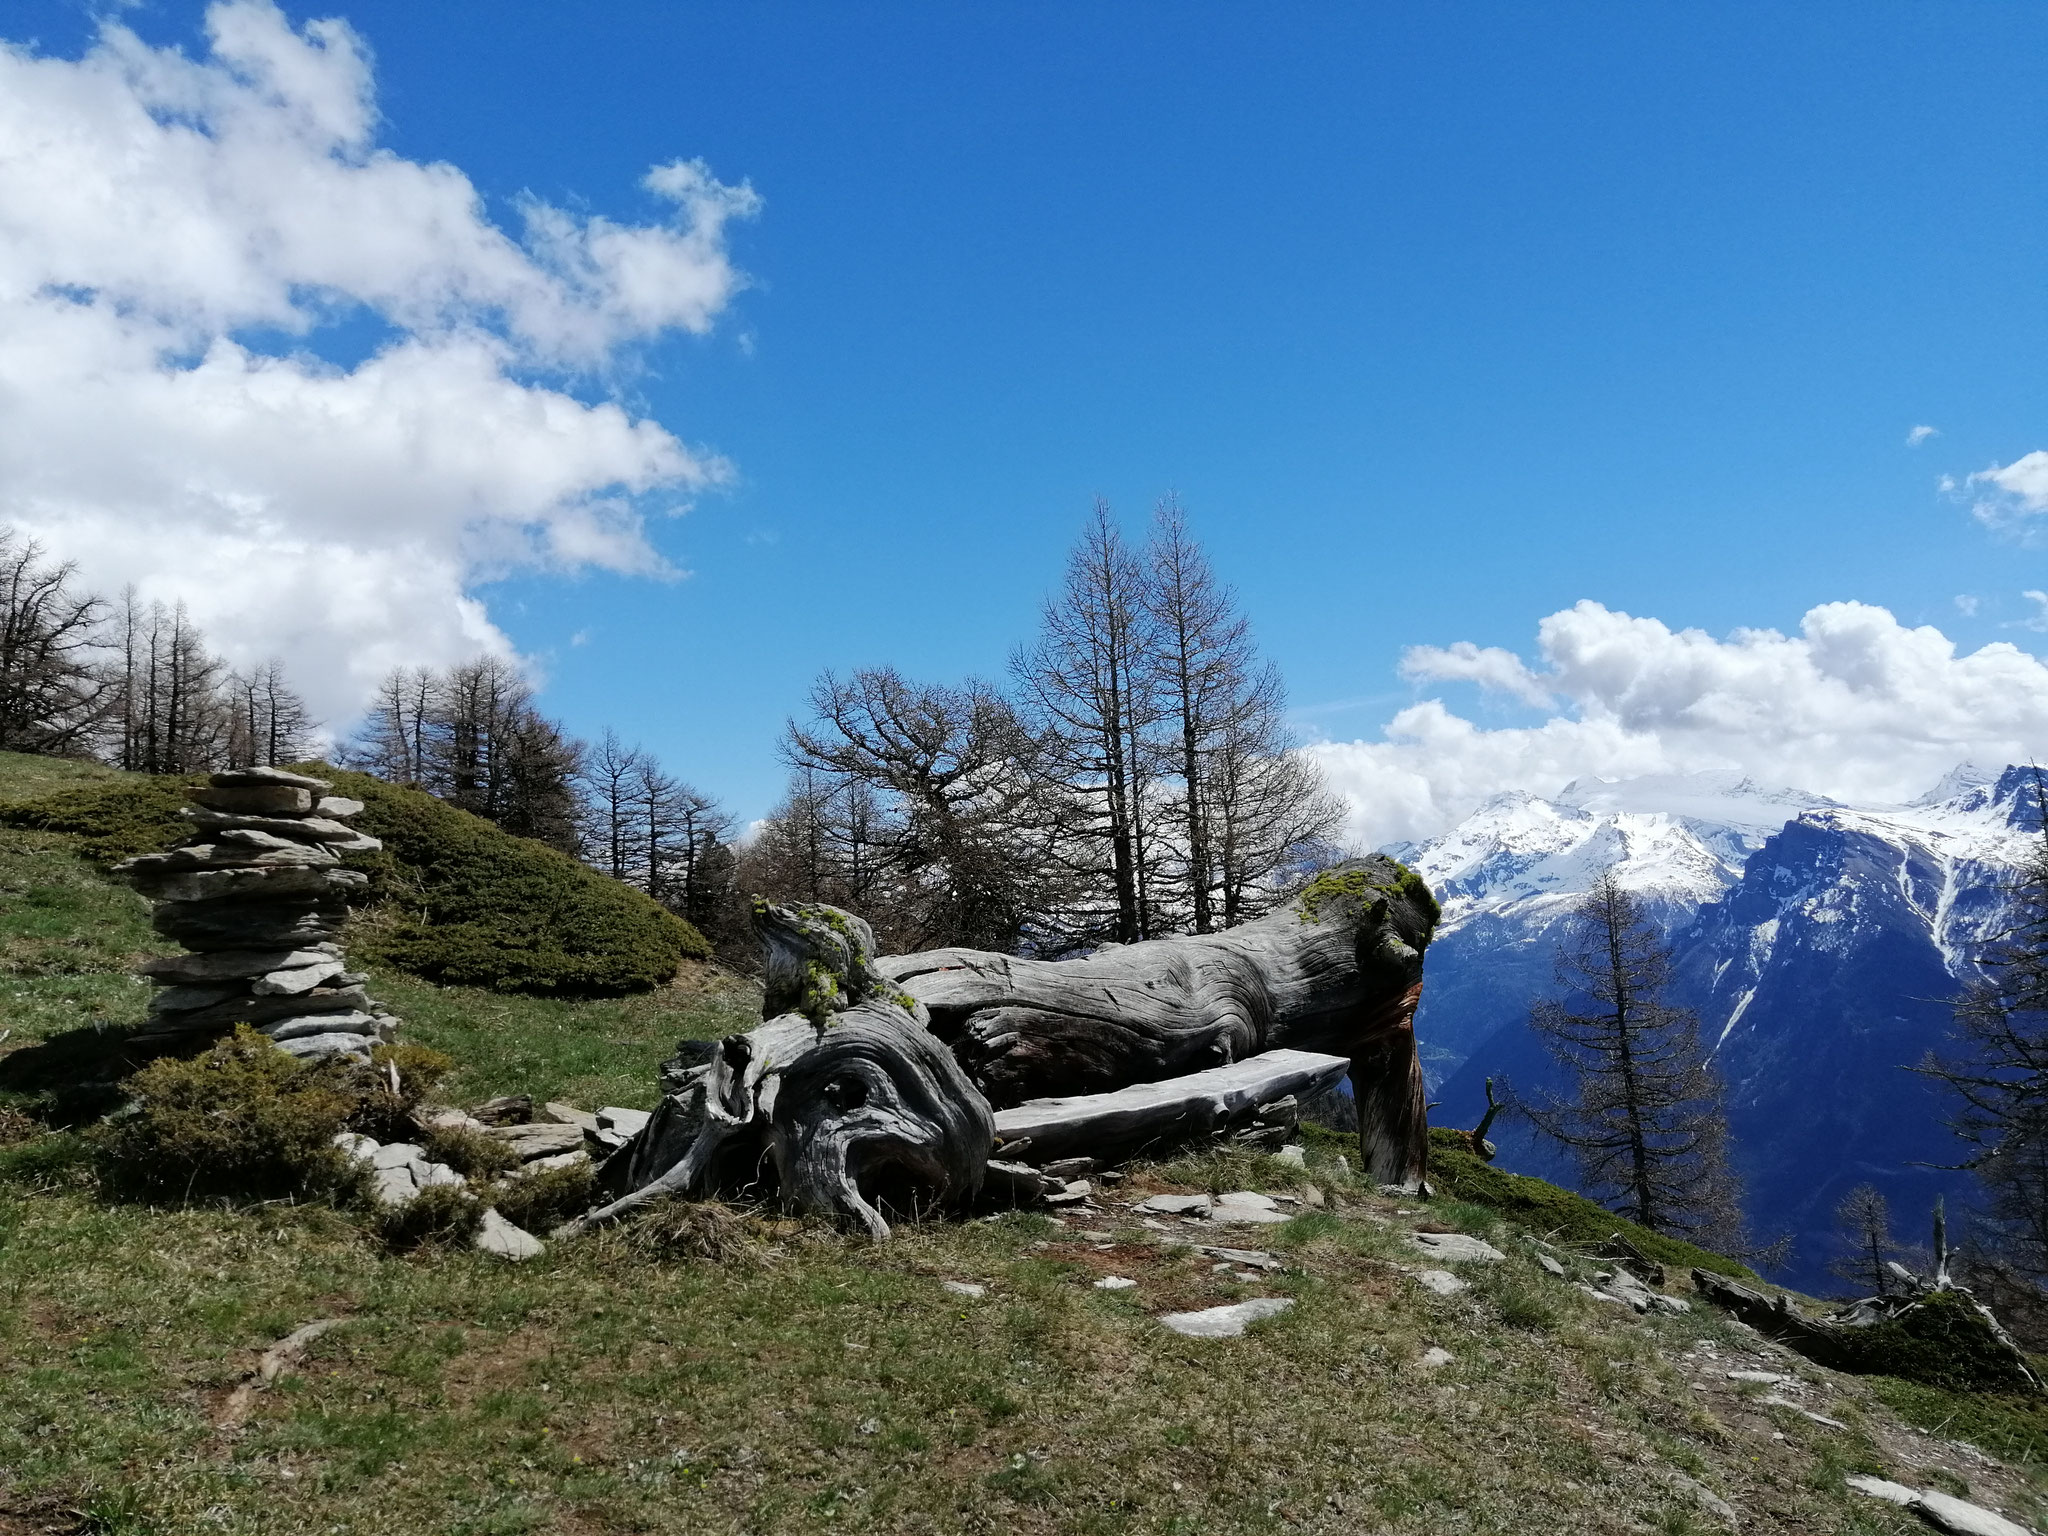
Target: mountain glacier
<point>1820,944</point>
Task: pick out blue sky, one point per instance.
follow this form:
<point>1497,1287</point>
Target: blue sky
<point>1440,321</point>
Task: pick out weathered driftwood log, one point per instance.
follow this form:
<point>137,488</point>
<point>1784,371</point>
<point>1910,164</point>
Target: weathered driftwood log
<point>1336,970</point>
<point>1114,1127</point>
<point>841,1104</point>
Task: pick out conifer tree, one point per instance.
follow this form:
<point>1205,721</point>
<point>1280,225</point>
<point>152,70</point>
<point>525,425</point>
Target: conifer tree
<point>1645,1118</point>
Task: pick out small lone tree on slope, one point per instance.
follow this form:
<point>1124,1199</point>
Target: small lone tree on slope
<point>1645,1118</point>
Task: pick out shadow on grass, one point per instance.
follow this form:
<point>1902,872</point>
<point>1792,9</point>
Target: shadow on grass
<point>73,1078</point>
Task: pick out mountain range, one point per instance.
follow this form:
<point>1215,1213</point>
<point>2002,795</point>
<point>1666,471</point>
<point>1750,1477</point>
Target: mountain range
<point>1819,943</point>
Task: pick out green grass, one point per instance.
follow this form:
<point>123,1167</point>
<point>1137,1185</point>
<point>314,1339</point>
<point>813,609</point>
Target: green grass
<point>806,1381</point>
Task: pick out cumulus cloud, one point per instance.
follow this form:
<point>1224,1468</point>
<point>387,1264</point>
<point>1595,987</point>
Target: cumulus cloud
<point>1856,705</point>
<point>2009,495</point>
<point>1919,435</point>
<point>1494,669</point>
<point>164,219</point>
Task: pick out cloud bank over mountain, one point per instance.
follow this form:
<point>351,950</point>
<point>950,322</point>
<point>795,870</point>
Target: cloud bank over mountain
<point>178,238</point>
<point>1856,706</point>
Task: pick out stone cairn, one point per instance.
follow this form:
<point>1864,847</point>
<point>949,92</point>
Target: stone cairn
<point>257,896</point>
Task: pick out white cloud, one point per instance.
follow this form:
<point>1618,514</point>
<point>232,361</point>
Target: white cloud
<point>159,212</point>
<point>1967,605</point>
<point>1494,669</point>
<point>2038,620</point>
<point>2010,494</point>
<point>1855,705</point>
<point>1919,435</point>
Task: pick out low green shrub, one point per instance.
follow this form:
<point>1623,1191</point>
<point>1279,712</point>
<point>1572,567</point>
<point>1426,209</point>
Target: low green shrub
<point>469,905</point>
<point>113,820</point>
<point>440,1216</point>
<point>540,1202</point>
<point>1943,1342</point>
<point>470,1153</point>
<point>245,1121</point>
<point>461,902</point>
<point>1454,1172</point>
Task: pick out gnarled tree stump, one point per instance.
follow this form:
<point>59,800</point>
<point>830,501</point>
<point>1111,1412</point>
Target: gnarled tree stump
<point>841,1104</point>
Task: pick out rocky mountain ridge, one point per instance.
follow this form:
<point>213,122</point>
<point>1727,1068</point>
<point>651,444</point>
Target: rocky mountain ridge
<point>1818,942</point>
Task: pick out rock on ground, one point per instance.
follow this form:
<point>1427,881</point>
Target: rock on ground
<point>1225,1322</point>
<point>1457,1247</point>
<point>499,1236</point>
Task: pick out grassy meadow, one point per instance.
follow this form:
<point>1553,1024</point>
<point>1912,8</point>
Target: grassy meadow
<point>712,1371</point>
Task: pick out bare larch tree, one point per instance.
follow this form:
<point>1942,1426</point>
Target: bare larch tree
<point>54,695</point>
<point>1090,684</point>
<point>1645,1118</point>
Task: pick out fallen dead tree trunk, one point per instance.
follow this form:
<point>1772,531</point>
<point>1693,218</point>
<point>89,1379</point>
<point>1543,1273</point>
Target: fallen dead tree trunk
<point>866,1092</point>
<point>1202,1106</point>
<point>1337,970</point>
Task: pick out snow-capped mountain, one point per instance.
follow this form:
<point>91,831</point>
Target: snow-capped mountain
<point>1512,870</point>
<point>1819,943</point>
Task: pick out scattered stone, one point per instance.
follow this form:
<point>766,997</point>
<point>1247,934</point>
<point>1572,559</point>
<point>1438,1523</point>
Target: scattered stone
<point>447,1119</point>
<point>1441,1281</point>
<point>569,1114</point>
<point>497,1235</point>
<point>1246,1207</point>
<point>1550,1266</point>
<point>622,1124</point>
<point>540,1138</point>
<point>1457,1247</point>
<point>506,1109</point>
<point>1250,1258</point>
<point>1294,1152</point>
<point>1115,1283</point>
<point>1067,1169</point>
<point>965,1288</point>
<point>1435,1357</point>
<point>1959,1517</point>
<point>1312,1197</point>
<point>1174,1205</point>
<point>1879,1488</point>
<point>1225,1322</point>
<point>1762,1378</point>
<point>1599,1295</point>
<point>1073,1194</point>
<point>550,1164</point>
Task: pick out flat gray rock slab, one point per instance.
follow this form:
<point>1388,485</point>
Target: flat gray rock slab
<point>965,1288</point>
<point>1879,1488</point>
<point>1962,1518</point>
<point>1245,1209</point>
<point>1250,1258</point>
<point>539,1139</point>
<point>1457,1248</point>
<point>1173,1205</point>
<point>499,1236</point>
<point>1441,1281</point>
<point>1225,1322</point>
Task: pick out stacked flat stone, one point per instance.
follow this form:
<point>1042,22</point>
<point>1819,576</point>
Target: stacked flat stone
<point>257,896</point>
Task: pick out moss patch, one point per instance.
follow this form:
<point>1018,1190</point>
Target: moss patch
<point>1355,887</point>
